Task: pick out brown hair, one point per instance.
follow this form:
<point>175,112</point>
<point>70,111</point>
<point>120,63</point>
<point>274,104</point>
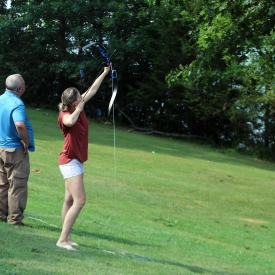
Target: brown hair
<point>67,98</point>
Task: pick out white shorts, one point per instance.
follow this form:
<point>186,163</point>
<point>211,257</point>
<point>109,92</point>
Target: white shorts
<point>71,169</point>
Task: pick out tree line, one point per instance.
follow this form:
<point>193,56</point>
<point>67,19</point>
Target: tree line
<point>199,69</point>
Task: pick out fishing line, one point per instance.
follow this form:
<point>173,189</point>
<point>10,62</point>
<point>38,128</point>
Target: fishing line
<point>104,65</point>
<point>122,254</point>
<point>115,168</point>
<point>110,225</point>
<point>111,104</point>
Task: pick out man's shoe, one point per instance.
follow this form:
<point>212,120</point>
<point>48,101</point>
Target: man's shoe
<point>25,224</point>
<point>22,224</point>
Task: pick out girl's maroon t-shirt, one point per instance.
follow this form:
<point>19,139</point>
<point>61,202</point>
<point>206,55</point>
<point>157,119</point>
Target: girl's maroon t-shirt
<point>75,139</point>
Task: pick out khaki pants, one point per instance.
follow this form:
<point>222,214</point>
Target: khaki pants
<point>14,174</point>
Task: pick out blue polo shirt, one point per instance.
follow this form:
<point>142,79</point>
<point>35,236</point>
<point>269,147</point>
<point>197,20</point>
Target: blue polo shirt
<point>12,110</point>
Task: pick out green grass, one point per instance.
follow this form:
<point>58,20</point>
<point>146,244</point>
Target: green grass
<point>184,209</point>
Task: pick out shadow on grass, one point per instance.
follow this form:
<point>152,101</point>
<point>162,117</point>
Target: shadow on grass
<point>191,268</point>
<point>91,235</point>
<point>24,245</point>
<point>29,245</point>
<point>123,254</point>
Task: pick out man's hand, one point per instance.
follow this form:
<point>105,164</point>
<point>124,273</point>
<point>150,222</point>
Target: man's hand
<point>23,133</point>
<point>25,146</point>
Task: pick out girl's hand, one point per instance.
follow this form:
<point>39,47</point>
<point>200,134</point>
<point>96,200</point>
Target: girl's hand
<point>107,69</point>
<point>80,106</point>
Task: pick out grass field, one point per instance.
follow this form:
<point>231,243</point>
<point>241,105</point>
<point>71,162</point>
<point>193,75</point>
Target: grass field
<point>156,206</point>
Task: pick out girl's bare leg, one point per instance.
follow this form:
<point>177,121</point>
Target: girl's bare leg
<point>68,202</point>
<point>75,199</point>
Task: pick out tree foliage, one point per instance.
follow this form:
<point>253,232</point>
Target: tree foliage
<point>231,80</point>
<point>198,68</point>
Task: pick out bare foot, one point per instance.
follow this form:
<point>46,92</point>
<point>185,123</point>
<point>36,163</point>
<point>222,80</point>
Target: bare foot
<point>65,246</point>
<point>71,242</point>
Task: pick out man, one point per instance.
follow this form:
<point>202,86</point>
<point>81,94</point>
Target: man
<point>16,138</point>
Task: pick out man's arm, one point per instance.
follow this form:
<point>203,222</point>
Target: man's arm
<point>23,133</point>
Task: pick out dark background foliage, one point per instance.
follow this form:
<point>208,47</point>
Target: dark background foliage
<point>199,68</point>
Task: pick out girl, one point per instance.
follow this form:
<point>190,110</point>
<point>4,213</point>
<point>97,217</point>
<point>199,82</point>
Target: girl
<point>74,125</point>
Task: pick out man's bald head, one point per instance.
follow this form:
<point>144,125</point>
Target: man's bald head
<point>14,81</point>
<point>16,84</point>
